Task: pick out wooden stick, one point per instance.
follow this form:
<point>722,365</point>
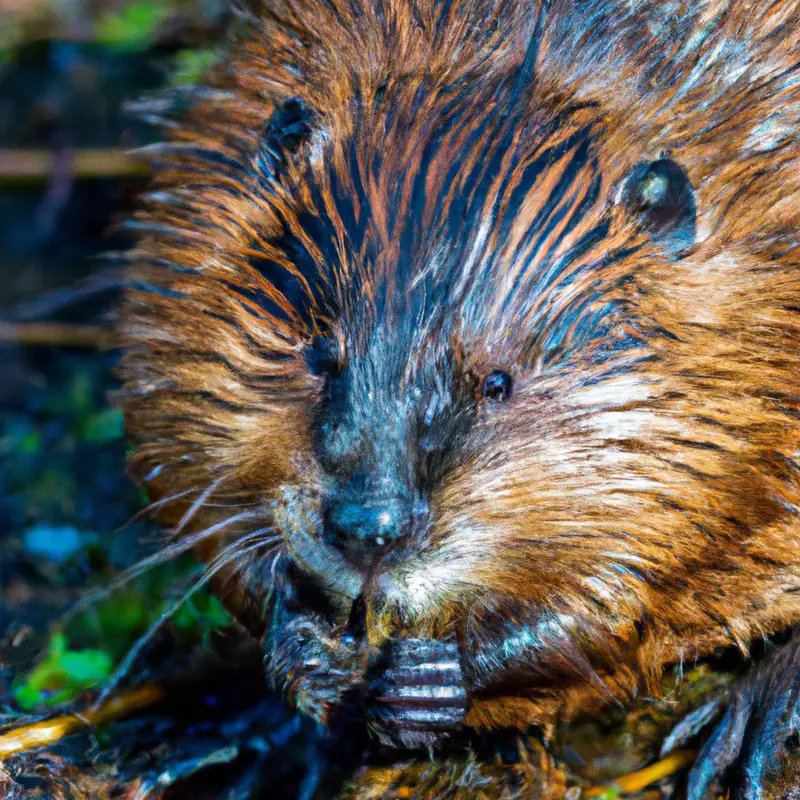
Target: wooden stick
<point>55,334</point>
<point>45,304</point>
<point>37,165</point>
<point>636,781</point>
<point>48,731</point>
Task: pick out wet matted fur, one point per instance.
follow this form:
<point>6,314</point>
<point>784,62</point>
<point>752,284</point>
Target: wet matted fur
<point>372,207</point>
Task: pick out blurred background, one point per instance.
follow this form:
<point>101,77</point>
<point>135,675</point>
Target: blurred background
<point>72,77</point>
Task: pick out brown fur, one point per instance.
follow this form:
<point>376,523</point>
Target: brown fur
<point>644,519</point>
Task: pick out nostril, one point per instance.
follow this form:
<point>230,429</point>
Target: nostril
<point>371,524</point>
<point>391,525</point>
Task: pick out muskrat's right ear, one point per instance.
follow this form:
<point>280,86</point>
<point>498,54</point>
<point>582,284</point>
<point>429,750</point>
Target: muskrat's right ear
<point>289,126</point>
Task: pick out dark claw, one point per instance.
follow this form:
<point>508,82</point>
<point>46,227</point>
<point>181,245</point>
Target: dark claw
<point>317,671</point>
<point>756,741</point>
<point>309,659</point>
<point>421,697</point>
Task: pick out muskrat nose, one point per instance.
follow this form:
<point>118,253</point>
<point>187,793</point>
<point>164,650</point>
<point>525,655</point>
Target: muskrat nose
<point>370,524</point>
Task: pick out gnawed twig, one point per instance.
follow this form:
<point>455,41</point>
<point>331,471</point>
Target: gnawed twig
<point>55,334</point>
<point>641,779</point>
<point>38,734</point>
<point>38,165</point>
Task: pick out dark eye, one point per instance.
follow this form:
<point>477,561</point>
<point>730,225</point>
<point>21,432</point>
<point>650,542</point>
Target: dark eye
<point>497,385</point>
<point>662,197</point>
<point>323,356</point>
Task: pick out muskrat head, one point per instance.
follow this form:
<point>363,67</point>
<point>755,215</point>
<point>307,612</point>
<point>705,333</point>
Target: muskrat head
<point>499,275</point>
<point>504,342</point>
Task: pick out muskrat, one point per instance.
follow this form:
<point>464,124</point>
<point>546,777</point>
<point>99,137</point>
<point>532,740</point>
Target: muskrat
<point>464,343</point>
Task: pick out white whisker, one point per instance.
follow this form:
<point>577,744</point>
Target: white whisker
<point>162,556</point>
<point>195,507</point>
<point>154,507</point>
<point>142,641</point>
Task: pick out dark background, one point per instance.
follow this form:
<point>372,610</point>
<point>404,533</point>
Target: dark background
<point>72,76</point>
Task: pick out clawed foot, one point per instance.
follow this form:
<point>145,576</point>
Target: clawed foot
<point>418,693</point>
<point>755,747</point>
<point>326,670</point>
<point>316,664</point>
<point>420,698</point>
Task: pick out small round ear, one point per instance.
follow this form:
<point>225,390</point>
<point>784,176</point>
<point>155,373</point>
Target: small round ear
<point>289,126</point>
<point>662,199</point>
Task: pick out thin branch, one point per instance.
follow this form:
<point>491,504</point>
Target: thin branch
<point>636,781</point>
<point>38,165</point>
<point>38,734</point>
<point>55,334</point>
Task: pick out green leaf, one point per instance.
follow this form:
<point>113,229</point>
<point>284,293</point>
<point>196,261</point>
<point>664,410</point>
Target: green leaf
<point>133,27</point>
<point>86,667</point>
<point>62,675</point>
<point>611,793</point>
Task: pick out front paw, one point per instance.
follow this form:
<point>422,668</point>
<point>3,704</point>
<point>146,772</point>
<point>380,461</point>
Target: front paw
<point>326,672</point>
<point>315,666</point>
<point>755,748</point>
<point>420,698</point>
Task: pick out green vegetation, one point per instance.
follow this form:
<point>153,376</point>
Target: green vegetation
<point>84,653</point>
<point>134,27</point>
<point>62,675</point>
<point>190,65</point>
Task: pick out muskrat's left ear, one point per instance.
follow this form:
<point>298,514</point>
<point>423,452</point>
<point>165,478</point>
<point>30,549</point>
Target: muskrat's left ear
<point>662,198</point>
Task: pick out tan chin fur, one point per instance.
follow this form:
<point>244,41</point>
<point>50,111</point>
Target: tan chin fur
<point>624,512</point>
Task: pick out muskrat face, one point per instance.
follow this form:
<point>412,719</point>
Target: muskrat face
<point>377,476</point>
<point>510,352</point>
